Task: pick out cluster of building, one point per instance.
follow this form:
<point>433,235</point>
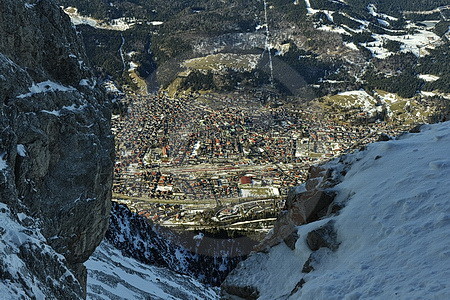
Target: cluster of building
<point>222,148</point>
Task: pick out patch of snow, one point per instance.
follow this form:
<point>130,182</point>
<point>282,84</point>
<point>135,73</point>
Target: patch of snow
<point>46,87</point>
<point>73,108</point>
<point>133,66</point>
<point>383,23</point>
<point>30,5</point>
<point>362,22</point>
<point>120,24</point>
<point>52,112</point>
<point>195,150</point>
<point>351,46</point>
<point>21,150</point>
<point>3,164</point>
<point>309,9</point>
<point>428,94</point>
<point>84,82</point>
<point>111,87</point>
<point>329,15</point>
<point>332,28</point>
<point>388,97</point>
<point>258,27</point>
<point>21,216</point>
<point>199,236</point>
<point>361,98</point>
<point>428,77</point>
<point>373,11</point>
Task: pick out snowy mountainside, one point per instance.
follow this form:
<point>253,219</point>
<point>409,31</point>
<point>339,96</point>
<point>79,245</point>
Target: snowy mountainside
<point>25,257</point>
<point>392,236</point>
<point>114,276</point>
<point>209,260</point>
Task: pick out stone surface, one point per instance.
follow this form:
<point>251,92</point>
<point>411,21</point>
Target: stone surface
<point>308,266</point>
<point>232,292</point>
<point>384,137</point>
<point>55,138</point>
<point>298,286</point>
<point>416,129</point>
<point>323,237</point>
<point>291,239</point>
<point>304,207</point>
<point>315,259</point>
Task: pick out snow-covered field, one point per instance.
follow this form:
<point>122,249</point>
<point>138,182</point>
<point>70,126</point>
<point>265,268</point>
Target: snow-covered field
<point>428,77</point>
<point>394,230</point>
<point>120,24</point>
<point>114,276</point>
<point>415,43</point>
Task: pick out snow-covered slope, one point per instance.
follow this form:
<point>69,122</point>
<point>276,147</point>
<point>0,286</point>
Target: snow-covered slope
<point>114,276</point>
<point>394,230</point>
<point>29,267</point>
<point>207,259</point>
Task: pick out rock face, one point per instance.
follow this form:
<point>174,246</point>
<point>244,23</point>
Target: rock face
<point>303,206</point>
<point>56,148</point>
<point>323,237</point>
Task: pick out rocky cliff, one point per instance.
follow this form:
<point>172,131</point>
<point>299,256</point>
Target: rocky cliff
<point>56,154</point>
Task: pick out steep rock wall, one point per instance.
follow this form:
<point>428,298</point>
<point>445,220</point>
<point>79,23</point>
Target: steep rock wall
<point>56,148</point>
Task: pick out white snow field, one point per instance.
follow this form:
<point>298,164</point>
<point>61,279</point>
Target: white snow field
<point>394,230</point>
<point>114,276</point>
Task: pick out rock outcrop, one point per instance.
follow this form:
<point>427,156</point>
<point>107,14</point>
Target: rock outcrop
<point>307,203</point>
<point>303,206</point>
<point>56,151</point>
